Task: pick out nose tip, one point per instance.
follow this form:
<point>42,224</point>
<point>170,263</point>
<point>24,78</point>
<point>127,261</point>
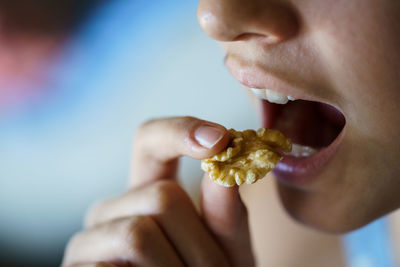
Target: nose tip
<point>215,25</point>
<point>235,20</point>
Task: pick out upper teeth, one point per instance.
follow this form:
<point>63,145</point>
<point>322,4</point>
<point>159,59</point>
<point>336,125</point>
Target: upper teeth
<point>272,96</point>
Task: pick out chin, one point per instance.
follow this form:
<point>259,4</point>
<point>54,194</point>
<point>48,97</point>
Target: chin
<point>316,210</point>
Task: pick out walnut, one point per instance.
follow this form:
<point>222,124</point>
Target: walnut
<point>249,156</point>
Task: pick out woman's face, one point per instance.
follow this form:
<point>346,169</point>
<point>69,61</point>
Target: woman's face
<point>345,53</point>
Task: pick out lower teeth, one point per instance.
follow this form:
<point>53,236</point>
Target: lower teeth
<point>299,151</point>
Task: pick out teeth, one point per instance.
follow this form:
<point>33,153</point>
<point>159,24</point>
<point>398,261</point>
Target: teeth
<point>275,97</point>
<point>260,93</point>
<point>302,151</point>
<point>272,96</point>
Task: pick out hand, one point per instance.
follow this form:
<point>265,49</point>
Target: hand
<point>155,223</point>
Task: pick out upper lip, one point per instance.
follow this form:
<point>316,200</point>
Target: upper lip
<point>254,76</point>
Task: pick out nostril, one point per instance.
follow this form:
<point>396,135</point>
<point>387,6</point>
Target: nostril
<point>270,39</point>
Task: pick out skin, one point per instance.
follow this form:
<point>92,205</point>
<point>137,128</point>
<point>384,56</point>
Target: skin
<point>155,222</point>
<point>342,52</point>
<point>347,60</point>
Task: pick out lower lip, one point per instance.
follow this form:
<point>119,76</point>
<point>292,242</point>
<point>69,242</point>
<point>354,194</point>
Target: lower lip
<point>303,171</point>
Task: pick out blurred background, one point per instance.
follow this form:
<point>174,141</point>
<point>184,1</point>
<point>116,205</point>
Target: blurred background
<point>72,98</point>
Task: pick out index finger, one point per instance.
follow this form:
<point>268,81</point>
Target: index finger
<point>159,144</point>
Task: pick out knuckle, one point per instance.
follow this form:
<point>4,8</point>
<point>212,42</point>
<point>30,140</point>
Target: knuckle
<point>137,233</point>
<point>92,213</point>
<point>74,241</point>
<point>72,246</point>
<point>99,212</point>
<point>146,124</point>
<point>171,122</point>
<point>167,195</point>
<point>144,128</point>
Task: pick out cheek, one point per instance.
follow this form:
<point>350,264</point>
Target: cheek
<point>358,44</point>
<point>358,41</point>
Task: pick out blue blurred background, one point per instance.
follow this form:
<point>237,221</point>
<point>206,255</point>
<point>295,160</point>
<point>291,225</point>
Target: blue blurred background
<point>60,151</point>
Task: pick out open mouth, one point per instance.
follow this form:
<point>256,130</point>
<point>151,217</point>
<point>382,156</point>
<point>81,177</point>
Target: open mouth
<point>314,128</point>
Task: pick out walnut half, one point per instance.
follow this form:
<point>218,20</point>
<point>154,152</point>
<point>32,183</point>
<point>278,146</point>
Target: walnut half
<point>249,156</point>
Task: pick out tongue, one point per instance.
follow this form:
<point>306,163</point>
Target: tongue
<point>304,122</point>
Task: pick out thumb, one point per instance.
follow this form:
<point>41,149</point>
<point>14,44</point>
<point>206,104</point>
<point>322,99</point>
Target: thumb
<point>226,217</point>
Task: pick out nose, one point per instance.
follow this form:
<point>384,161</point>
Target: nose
<point>238,20</point>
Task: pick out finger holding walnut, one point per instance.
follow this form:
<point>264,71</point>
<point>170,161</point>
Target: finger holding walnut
<point>249,156</point>
<point>155,223</point>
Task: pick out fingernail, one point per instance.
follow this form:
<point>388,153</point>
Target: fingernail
<point>208,135</point>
